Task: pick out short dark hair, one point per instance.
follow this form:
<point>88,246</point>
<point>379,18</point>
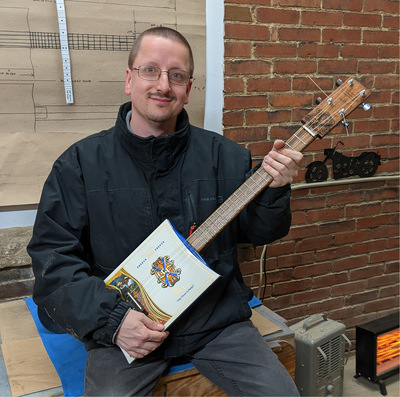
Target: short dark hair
<point>166,33</point>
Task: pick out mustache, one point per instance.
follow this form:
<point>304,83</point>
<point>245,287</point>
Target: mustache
<point>160,95</point>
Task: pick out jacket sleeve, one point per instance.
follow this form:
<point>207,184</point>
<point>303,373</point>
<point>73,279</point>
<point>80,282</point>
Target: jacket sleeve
<point>65,287</point>
<point>268,217</point>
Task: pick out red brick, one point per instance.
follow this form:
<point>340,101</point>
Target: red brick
<point>366,272</point>
<point>384,112</point>
<point>324,214</point>
<point>369,246</point>
<point>351,262</point>
<point>371,126</point>
<point>330,279</point>
<point>262,117</point>
<point>359,51</point>
<point>377,67</point>
<point>387,82</point>
<point>311,296</point>
<point>318,51</point>
<point>381,37</point>
<point>383,280</point>
<point>381,304</point>
<point>337,227</point>
<point>391,22</point>
<point>279,302</point>
<point>281,275</point>
<point>237,49</point>
<point>305,204</point>
<point>251,2</point>
<point>381,5</point>
<point>277,15</point>
<point>298,3</point>
<point>308,84</point>
<point>312,270</point>
<point>332,66</point>
<point>245,102</point>
<point>344,198</point>
<point>385,292</point>
<point>246,32</point>
<point>299,34</point>
<point>382,256</point>
<point>246,67</point>
<point>258,148</point>
<point>314,18</point>
<point>349,5</point>
<point>326,306</point>
<point>298,67</point>
<point>289,100</point>
<point>363,297</point>
<point>351,237</point>
<point>272,50</point>
<point>233,118</point>
<point>363,209</point>
<point>389,52</point>
<point>349,288</point>
<point>237,13</point>
<point>291,287</point>
<point>341,36</point>
<point>246,134</point>
<point>315,243</point>
<point>362,20</point>
<point>233,84</point>
<point>264,84</point>
<point>373,221</point>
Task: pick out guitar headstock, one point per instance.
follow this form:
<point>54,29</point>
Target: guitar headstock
<point>333,109</point>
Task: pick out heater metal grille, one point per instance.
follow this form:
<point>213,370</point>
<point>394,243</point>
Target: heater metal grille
<point>330,357</point>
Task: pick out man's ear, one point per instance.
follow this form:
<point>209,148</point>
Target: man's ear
<point>188,88</point>
<point>128,79</point>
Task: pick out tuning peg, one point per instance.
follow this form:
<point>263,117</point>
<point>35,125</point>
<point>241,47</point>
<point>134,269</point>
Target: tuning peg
<point>318,100</point>
<point>339,82</point>
<point>366,106</point>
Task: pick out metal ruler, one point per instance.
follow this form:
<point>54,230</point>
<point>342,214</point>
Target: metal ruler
<point>66,61</point>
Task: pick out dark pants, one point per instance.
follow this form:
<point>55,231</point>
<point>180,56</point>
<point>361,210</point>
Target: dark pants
<point>238,360</point>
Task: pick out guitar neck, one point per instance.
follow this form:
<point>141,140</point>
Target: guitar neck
<point>317,123</point>
<point>246,193</point>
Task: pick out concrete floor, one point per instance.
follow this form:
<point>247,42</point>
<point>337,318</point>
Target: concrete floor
<point>362,387</point>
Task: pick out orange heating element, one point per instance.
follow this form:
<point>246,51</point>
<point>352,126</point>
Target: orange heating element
<point>387,351</point>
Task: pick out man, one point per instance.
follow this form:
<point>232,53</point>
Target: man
<point>108,192</point>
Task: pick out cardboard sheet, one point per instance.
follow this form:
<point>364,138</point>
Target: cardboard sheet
<point>28,366</point>
<point>264,326</point>
<point>36,124</point>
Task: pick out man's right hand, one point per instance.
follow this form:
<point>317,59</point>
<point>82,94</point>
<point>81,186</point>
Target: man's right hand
<point>138,335</point>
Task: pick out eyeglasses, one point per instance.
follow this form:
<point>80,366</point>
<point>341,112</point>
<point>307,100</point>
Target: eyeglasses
<point>153,73</point>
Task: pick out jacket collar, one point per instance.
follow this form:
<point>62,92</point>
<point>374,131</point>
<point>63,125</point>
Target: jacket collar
<point>160,153</point>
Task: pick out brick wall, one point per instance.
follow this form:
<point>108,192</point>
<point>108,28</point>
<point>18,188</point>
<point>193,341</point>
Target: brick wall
<point>341,255</point>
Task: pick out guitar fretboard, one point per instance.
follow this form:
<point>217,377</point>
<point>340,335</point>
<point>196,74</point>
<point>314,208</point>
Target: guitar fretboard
<point>317,123</point>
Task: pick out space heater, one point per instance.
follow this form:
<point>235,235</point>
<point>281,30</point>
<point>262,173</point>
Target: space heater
<point>320,356</point>
<point>378,349</point>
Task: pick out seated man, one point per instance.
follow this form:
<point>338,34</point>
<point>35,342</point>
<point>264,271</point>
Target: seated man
<point>109,191</point>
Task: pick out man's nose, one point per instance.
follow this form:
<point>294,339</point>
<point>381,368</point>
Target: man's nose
<point>163,81</point>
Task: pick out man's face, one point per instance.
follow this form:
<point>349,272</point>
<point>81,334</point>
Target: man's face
<point>156,104</point>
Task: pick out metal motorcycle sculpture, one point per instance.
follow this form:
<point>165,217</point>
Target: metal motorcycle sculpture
<point>343,166</point>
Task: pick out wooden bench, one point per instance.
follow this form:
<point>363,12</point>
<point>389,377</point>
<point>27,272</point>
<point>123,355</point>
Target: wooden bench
<point>26,367</point>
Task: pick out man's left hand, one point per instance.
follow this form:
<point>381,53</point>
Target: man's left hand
<point>282,164</point>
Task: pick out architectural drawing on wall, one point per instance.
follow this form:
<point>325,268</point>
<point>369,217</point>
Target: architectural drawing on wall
<point>31,66</point>
<point>36,123</point>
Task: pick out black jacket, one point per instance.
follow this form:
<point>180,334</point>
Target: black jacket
<point>109,191</point>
